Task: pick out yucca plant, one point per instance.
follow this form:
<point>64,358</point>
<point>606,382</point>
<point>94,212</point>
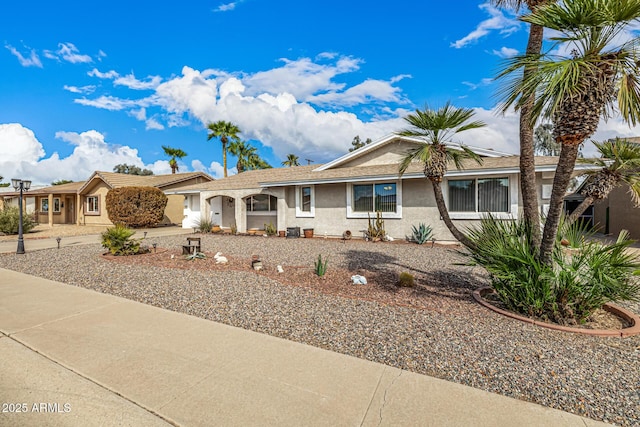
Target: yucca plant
<point>320,267</point>
<point>421,234</point>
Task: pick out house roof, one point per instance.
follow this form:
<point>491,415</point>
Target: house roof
<point>311,174</point>
<point>483,152</point>
<point>68,188</point>
<point>117,180</point>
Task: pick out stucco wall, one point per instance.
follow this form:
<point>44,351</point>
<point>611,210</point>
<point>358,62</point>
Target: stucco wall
<point>100,189</point>
<point>392,152</point>
<point>622,213</point>
<point>174,212</point>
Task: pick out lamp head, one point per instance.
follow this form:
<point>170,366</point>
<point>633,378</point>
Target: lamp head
<point>16,183</point>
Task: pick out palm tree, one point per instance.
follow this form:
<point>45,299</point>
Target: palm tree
<point>243,152</point>
<point>292,160</point>
<point>575,91</point>
<point>437,127</point>
<point>224,131</point>
<point>620,164</point>
<point>528,187</point>
<point>173,153</point>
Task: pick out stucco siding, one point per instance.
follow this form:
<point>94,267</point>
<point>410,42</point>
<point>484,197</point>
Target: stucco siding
<point>174,212</point>
<point>391,153</point>
<point>623,215</point>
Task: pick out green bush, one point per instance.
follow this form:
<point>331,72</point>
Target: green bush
<point>136,206</point>
<point>270,229</point>
<point>10,221</point>
<point>421,234</point>
<point>567,292</point>
<point>320,267</point>
<point>119,242</point>
<point>406,280</point>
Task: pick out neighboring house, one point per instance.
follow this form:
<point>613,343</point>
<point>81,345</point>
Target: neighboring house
<point>340,195</point>
<point>616,212</point>
<point>83,203</point>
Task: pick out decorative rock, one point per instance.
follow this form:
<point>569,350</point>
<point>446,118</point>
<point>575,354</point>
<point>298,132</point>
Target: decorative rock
<point>359,280</point>
<point>280,269</point>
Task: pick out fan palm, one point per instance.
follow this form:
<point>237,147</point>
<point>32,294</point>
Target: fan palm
<point>576,90</point>
<point>173,153</point>
<point>437,127</point>
<point>292,160</point>
<point>243,153</point>
<point>620,164</point>
<point>224,131</point>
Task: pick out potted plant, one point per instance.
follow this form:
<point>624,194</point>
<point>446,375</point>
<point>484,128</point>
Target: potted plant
<point>308,233</point>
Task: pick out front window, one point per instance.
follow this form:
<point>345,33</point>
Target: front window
<point>262,203</point>
<point>375,197</point>
<point>305,198</point>
<point>92,204</point>
<point>479,195</point>
<point>56,204</point>
<point>305,201</point>
<point>44,205</point>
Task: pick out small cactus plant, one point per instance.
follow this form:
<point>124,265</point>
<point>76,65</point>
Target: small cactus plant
<point>320,266</point>
<point>406,280</point>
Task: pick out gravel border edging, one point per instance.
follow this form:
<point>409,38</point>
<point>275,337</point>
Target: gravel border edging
<point>630,317</point>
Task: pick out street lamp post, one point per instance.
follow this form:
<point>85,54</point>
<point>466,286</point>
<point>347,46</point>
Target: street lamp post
<point>21,185</point>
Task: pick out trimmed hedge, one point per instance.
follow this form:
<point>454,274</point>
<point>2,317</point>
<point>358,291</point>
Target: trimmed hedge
<point>136,206</point>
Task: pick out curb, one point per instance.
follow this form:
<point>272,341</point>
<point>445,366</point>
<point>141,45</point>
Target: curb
<point>630,317</point>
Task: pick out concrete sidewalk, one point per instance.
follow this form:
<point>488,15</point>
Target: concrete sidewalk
<point>74,357</point>
<point>34,244</point>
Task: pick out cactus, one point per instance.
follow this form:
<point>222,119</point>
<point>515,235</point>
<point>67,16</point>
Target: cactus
<point>375,230</point>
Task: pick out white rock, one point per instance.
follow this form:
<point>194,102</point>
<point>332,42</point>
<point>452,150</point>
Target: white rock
<point>359,280</point>
<point>280,269</point>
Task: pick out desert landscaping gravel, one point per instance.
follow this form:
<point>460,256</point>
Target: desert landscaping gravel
<point>435,328</point>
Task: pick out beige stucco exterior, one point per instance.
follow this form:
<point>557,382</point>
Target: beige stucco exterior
<point>622,214</point>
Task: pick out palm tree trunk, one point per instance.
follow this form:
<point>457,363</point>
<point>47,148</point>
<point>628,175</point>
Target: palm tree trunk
<point>528,185</point>
<point>564,170</point>
<point>444,213</point>
<point>224,157</point>
<point>580,209</point>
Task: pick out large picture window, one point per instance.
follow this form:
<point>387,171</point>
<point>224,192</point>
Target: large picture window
<point>375,197</point>
<point>262,203</point>
<point>479,195</point>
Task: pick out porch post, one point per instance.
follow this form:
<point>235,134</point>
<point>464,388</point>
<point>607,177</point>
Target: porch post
<point>50,197</point>
<point>281,219</point>
<point>241,215</point>
<point>78,210</point>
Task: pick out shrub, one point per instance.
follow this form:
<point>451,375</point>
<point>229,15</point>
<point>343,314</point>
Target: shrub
<point>567,291</point>
<point>320,267</point>
<point>204,225</point>
<point>194,256</point>
<point>136,206</point>
<point>421,234</point>
<point>10,221</point>
<point>118,241</point>
<point>574,235</point>
<point>270,229</point>
<point>406,280</point>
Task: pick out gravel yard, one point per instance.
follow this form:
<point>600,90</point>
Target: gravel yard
<point>435,328</point>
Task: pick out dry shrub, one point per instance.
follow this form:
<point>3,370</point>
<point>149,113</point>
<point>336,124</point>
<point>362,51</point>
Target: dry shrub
<point>136,206</point>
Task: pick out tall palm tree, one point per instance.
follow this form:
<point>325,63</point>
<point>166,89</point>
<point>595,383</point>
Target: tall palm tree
<point>173,153</point>
<point>224,131</point>
<point>528,187</point>
<point>576,90</point>
<point>292,160</point>
<point>243,152</point>
<point>620,164</point>
<point>437,127</point>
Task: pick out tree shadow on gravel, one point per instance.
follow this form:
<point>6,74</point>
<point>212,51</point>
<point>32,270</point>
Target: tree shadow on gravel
<point>453,283</point>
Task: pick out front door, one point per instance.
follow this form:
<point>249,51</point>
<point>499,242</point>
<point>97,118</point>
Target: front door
<point>215,205</point>
<point>70,216</point>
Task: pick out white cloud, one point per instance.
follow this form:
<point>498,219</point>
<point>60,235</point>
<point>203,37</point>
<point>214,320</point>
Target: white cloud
<point>227,7</point>
<point>32,59</point>
<point>497,21</point>
<point>70,53</point>
<point>22,155</point>
<point>482,83</point>
<point>84,89</point>
<point>108,75</point>
<point>505,52</point>
<point>190,93</point>
<point>153,124</point>
<point>367,91</point>
<point>111,103</point>
<point>131,82</point>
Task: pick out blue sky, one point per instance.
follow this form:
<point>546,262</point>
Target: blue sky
<point>85,86</point>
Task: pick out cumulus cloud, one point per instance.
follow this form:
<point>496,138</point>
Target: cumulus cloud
<point>31,60</point>
<point>153,124</point>
<point>497,22</point>
<point>22,155</point>
<point>108,75</point>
